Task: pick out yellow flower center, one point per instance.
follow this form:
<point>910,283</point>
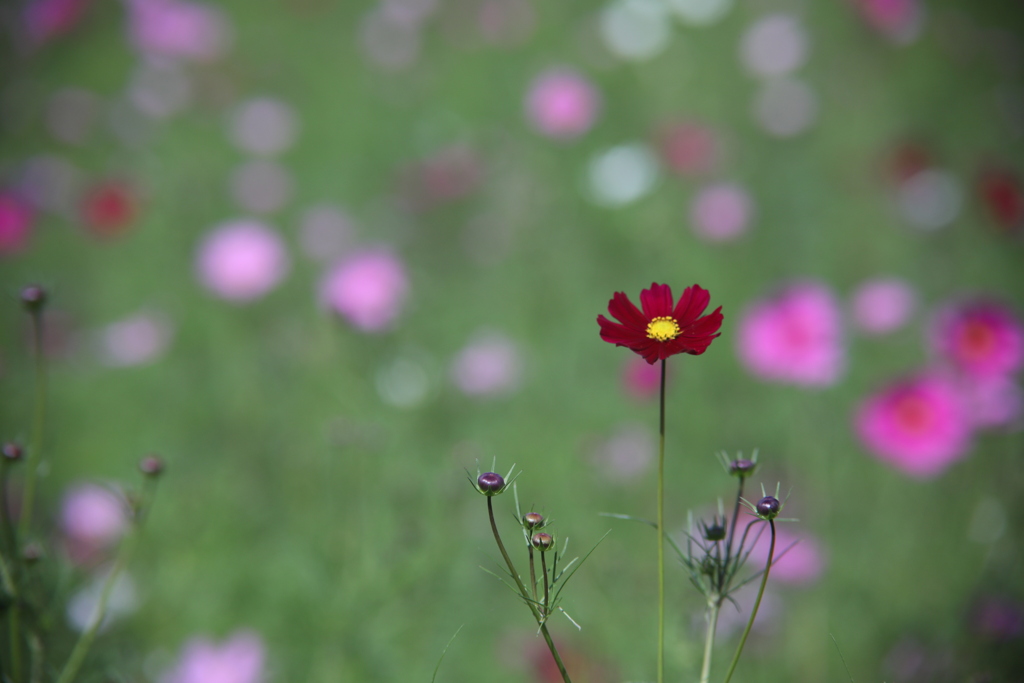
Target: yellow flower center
<point>663,328</point>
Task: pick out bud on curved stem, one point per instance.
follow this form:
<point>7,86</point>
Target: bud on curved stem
<point>760,593</point>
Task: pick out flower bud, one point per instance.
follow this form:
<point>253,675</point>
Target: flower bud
<point>742,468</point>
<point>12,451</point>
<point>768,507</point>
<point>151,466</point>
<point>32,553</point>
<point>542,541</point>
<point>34,298</point>
<point>490,483</point>
<point>714,532</point>
<point>533,520</point>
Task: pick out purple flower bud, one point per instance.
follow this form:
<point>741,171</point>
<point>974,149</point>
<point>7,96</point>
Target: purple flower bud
<point>742,468</point>
<point>490,483</point>
<point>533,520</point>
<point>714,532</point>
<point>768,507</point>
<point>12,451</point>
<point>34,298</point>
<point>151,466</point>
<point>542,541</point>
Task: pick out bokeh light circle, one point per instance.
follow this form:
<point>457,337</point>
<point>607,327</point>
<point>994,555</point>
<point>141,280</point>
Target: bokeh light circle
<point>621,175</point>
<point>635,30</point>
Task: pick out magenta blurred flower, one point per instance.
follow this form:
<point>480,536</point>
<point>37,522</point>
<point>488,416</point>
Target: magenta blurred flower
<point>794,337</point>
<point>92,518</point>
<point>720,212</point>
<point>109,208</point>
<point>919,425</point>
<point>979,338</point>
<point>996,401</point>
<point>178,29</point>
<point>998,618</point>
<point>447,175</point>
<point>640,379</point>
<point>368,288</point>
<point>48,19</point>
<point>561,103</point>
<point>799,558</point>
<point>688,148</point>
<point>240,659</point>
<point>489,365</point>
<point>15,224</point>
<point>898,20</point>
<point>883,305</point>
<point>241,260</point>
<point>1002,193</point>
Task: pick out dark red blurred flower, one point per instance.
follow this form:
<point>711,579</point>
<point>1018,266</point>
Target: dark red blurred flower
<point>109,208</point>
<point>1003,196</point>
<point>663,328</point>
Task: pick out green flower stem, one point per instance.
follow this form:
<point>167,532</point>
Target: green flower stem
<point>735,518</point>
<point>522,591</point>
<point>38,419</point>
<point>533,572</point>
<point>81,649</point>
<point>714,607</point>
<point>757,603</point>
<point>544,571</point>
<point>661,530</point>
<point>13,618</point>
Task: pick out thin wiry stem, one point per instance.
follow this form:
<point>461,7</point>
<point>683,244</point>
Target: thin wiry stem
<point>533,573</point>
<point>661,529</point>
<point>544,571</point>
<point>714,606</point>
<point>38,419</point>
<point>757,603</point>
<point>524,594</point>
<point>735,518</point>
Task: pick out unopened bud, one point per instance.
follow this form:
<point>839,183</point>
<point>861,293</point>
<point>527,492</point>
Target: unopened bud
<point>714,532</point>
<point>151,466</point>
<point>33,552</point>
<point>742,468</point>
<point>490,483</point>
<point>768,507</point>
<point>12,451</point>
<point>533,520</point>
<point>542,541</point>
<point>34,298</point>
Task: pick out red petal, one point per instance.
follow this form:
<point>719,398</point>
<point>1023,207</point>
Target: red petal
<point>623,310</point>
<point>614,333</point>
<point>709,324</point>
<point>656,301</point>
<point>691,304</point>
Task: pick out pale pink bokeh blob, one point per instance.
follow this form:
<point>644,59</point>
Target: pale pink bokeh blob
<point>721,212</point>
<point>883,305</point>
<point>239,659</point>
<point>177,29</point>
<point>92,515</point>
<point>368,288</point>
<point>794,337</point>
<point>979,338</point>
<point>48,19</point>
<point>640,379</point>
<point>489,365</point>
<point>919,425</point>
<point>242,260</point>
<point>15,224</point>
<point>799,558</point>
<point>562,103</point>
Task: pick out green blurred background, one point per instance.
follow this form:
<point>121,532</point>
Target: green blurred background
<point>305,502</point>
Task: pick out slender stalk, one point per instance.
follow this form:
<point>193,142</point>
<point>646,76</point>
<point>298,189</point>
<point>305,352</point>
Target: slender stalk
<point>735,518</point>
<point>714,607</point>
<point>661,529</point>
<point>544,571</point>
<point>522,591</point>
<point>757,603</point>
<point>38,419</point>
<point>13,618</point>
<point>6,527</point>
<point>533,573</point>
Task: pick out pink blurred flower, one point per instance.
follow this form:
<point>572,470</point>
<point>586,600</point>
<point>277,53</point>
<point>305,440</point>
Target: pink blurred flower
<point>689,148</point>
<point>720,212</point>
<point>883,305</point>
<point>799,558</point>
<point>109,208</point>
<point>368,288</point>
<point>92,518</point>
<point>794,336</point>
<point>489,365</point>
<point>240,659</point>
<point>641,379</point>
<point>48,19</point>
<point>561,103</point>
<point>995,401</point>
<point>15,224</point>
<point>919,425</point>
<point>177,28</point>
<point>998,618</point>
<point>898,20</point>
<point>136,340</point>
<point>979,338</point>
<point>627,453</point>
<point>241,260</point>
<point>448,175</point>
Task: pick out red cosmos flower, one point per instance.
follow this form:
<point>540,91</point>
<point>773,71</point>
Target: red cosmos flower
<point>661,329</point>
